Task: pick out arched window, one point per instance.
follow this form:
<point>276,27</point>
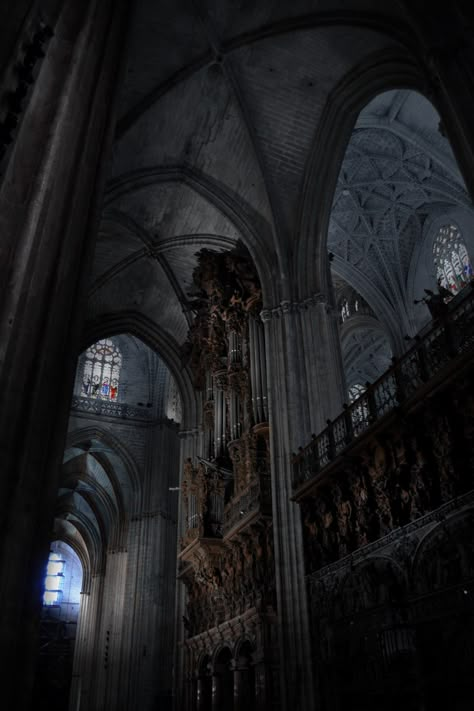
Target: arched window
<point>102,371</point>
<point>53,581</point>
<point>453,266</point>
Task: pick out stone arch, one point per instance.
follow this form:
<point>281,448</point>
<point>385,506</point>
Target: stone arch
<point>61,533</point>
<point>244,644</point>
<point>89,534</point>
<point>375,582</point>
<point>356,322</point>
<point>445,555</point>
<point>255,232</point>
<point>366,325</point>
<point>222,649</point>
<point>109,518</point>
<point>382,71</point>
<point>130,480</point>
<point>380,305</point>
<point>155,338</point>
<point>203,663</point>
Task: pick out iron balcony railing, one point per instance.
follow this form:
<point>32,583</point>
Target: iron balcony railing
<point>448,337</point>
<point>110,409</point>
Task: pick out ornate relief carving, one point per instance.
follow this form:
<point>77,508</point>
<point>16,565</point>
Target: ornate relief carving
<point>416,466</point>
<point>226,559</point>
<point>226,289</point>
<point>227,578</point>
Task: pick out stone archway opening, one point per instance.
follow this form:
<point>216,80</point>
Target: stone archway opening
<point>223,681</point>
<point>62,587</point>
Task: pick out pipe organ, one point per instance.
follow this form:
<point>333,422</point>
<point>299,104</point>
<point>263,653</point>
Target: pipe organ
<point>226,553</point>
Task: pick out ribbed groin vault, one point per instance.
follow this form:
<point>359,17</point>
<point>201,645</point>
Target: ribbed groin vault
<point>236,332</point>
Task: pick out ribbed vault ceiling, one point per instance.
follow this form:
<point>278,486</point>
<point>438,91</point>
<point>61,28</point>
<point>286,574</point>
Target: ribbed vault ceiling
<point>398,171</point>
<point>218,113</point>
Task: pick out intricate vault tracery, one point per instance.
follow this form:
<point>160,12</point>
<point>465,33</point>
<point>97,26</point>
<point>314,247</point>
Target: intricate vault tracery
<point>387,187</point>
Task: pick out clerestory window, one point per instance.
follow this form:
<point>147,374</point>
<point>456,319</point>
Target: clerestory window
<point>451,258</point>
<point>102,371</point>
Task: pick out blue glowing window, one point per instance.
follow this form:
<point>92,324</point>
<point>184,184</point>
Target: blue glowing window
<point>53,581</point>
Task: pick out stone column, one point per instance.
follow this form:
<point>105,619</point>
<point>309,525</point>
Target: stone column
<point>239,693</point>
<point>262,683</point>
<point>50,194</point>
<point>244,686</point>
<point>322,359</point>
<point>302,391</point>
<point>191,446</point>
<point>222,688</point>
<point>258,370</point>
<point>86,663</point>
<point>217,689</point>
<point>203,699</point>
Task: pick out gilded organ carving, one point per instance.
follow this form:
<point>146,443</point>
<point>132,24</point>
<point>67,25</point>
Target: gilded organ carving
<point>226,558</point>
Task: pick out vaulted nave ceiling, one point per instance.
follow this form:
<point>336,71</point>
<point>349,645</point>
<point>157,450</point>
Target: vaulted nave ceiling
<point>398,173</point>
<point>218,112</point>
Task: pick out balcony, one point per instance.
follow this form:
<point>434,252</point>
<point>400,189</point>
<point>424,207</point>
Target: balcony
<point>108,408</point>
<point>246,507</point>
<point>440,352</point>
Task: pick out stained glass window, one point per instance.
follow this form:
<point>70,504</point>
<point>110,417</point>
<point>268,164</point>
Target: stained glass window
<point>453,266</point>
<point>356,391</point>
<point>53,581</point>
<point>102,371</point>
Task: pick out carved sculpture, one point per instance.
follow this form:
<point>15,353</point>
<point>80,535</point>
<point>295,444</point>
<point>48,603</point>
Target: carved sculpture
<point>226,554</point>
<point>394,481</point>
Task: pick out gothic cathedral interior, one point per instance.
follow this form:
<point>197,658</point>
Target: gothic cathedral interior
<point>236,332</point>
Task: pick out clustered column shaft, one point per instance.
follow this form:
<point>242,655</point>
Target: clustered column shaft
<point>258,370</point>
<point>219,414</point>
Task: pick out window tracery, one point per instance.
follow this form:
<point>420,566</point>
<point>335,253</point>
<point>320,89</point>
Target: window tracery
<point>451,258</point>
<point>355,391</point>
<point>102,371</point>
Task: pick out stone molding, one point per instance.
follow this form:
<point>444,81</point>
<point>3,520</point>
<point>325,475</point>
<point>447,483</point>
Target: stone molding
<point>434,518</point>
<point>288,307</point>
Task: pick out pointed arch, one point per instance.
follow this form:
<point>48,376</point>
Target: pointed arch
<point>158,340</point>
<point>382,71</point>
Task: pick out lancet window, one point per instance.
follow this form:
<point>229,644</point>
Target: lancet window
<point>451,258</point>
<point>101,373</point>
<point>53,581</point>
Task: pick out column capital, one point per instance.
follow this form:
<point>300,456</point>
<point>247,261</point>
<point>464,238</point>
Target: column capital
<point>287,307</point>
